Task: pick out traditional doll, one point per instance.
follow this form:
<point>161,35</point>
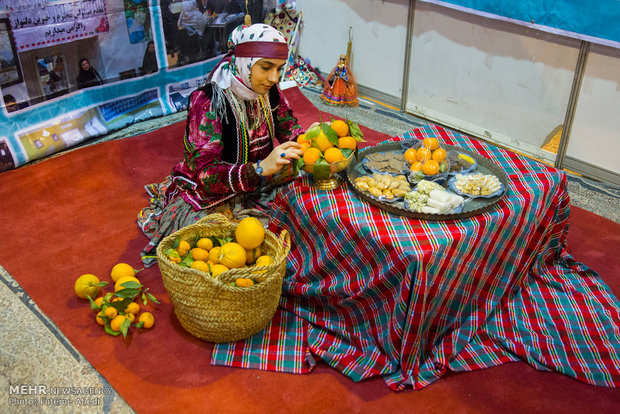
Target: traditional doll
<point>340,87</point>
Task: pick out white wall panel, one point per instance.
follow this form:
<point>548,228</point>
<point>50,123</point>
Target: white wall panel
<point>504,83</point>
<point>379,30</point>
<point>595,135</point>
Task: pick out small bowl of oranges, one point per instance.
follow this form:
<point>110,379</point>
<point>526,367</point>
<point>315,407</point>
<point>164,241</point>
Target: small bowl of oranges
<point>427,160</point>
<point>328,149</point>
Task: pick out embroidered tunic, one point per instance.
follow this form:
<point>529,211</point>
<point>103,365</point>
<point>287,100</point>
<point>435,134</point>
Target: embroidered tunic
<point>219,150</point>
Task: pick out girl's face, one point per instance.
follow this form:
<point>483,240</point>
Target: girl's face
<point>265,73</point>
<point>85,65</point>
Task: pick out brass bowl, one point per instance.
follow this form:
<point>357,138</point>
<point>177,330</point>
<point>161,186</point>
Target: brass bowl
<point>328,179</point>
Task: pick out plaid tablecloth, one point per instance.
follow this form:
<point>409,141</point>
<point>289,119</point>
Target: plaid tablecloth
<point>373,293</point>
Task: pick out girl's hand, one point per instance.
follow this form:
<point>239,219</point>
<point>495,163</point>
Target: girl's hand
<point>281,156</point>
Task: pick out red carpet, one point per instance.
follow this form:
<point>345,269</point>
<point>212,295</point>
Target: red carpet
<point>75,214</point>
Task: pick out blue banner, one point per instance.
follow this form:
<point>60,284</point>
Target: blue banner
<point>597,21</point>
<point>66,79</point>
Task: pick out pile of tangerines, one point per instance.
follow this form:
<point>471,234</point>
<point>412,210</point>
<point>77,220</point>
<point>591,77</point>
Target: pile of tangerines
<point>119,310</point>
<point>327,143</point>
<point>429,158</point>
<point>215,255</point>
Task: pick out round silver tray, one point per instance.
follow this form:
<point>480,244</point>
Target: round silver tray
<point>472,206</point>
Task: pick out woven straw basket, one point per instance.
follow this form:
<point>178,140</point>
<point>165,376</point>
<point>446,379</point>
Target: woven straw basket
<point>210,309</point>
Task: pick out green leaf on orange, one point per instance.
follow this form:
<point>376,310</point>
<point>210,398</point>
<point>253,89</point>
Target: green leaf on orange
<point>346,152</point>
<point>223,240</point>
<point>187,260</point>
<point>355,131</point>
<point>331,135</point>
<point>121,305</point>
<point>313,132</point>
<point>109,330</point>
<point>125,327</point>
<point>93,305</point>
<point>322,169</point>
<point>299,163</point>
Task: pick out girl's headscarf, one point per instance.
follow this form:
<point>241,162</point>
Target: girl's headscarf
<point>246,46</point>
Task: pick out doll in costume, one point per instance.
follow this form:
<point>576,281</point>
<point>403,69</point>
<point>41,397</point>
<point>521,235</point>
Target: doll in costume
<point>340,86</point>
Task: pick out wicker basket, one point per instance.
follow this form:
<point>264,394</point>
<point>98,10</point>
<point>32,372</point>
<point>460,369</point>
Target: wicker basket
<point>209,308</point>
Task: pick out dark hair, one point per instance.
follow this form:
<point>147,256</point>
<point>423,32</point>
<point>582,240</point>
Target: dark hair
<point>8,98</point>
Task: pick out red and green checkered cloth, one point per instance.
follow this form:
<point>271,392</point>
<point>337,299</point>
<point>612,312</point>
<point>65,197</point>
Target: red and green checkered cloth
<point>373,293</point>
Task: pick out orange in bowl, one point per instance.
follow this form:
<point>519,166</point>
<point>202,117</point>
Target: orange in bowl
<point>333,155</point>
<point>439,155</point>
<point>423,154</point>
<point>430,167</point>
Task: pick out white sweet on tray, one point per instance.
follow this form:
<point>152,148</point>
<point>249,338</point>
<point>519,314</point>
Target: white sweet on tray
<point>477,184</point>
<point>432,198</point>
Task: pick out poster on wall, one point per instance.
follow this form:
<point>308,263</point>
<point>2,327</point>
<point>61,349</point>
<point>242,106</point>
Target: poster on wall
<point>41,23</point>
<point>138,20</point>
<point>10,72</point>
<point>148,63</point>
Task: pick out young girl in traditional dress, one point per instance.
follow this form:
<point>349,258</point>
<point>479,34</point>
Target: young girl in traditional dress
<point>239,141</point>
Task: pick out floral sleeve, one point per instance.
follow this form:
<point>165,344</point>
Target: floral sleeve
<point>287,127</point>
<point>206,178</point>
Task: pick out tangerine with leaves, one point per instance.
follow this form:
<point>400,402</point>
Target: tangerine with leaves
<point>119,283</point>
<point>99,318</point>
<point>341,128</point>
<point>133,307</point>
<point>115,324</point>
<point>183,247</point>
<point>333,155</point>
<point>87,285</point>
<point>147,319</point>
<point>312,155</point>
<point>110,312</point>
<point>347,142</point>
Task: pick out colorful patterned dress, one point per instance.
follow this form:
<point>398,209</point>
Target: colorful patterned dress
<point>217,172</point>
<point>340,87</point>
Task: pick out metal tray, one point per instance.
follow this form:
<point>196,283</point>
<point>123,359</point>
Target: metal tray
<point>472,206</point>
